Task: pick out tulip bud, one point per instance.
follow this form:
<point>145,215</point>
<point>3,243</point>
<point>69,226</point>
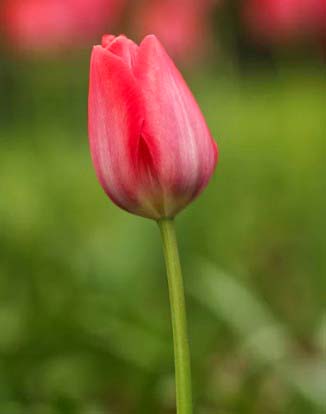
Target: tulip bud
<point>151,148</point>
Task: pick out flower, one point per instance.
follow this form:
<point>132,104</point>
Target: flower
<point>47,25</point>
<point>151,148</point>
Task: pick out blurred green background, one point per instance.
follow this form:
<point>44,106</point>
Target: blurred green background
<point>84,312</point>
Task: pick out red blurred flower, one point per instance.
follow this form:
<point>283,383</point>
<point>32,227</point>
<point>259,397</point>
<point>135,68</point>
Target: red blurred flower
<point>183,25</point>
<point>43,25</point>
<point>285,20</point>
<point>150,145</point>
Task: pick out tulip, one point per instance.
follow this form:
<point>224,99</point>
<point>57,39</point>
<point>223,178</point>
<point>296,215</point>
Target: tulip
<point>47,25</point>
<point>153,154</point>
<point>152,150</point>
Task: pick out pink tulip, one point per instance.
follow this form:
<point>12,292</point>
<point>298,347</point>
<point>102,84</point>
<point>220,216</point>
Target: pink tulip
<point>182,26</point>
<point>285,20</point>
<point>150,145</point>
<point>46,25</point>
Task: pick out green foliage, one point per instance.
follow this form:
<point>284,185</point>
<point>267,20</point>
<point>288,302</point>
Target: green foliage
<point>84,315</point>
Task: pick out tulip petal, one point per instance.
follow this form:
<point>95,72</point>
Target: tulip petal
<point>125,48</point>
<point>107,39</point>
<point>177,134</point>
<point>115,121</point>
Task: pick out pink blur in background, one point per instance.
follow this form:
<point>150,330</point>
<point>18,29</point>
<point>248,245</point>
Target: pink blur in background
<point>184,26</point>
<point>48,25</point>
<point>285,21</point>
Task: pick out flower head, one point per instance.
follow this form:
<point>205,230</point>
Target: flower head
<point>151,148</point>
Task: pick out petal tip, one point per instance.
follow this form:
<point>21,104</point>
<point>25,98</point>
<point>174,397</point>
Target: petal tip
<point>97,51</point>
<point>107,39</point>
<point>150,38</point>
<point>152,42</point>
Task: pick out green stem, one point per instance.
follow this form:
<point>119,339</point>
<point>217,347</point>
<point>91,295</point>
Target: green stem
<point>178,314</point>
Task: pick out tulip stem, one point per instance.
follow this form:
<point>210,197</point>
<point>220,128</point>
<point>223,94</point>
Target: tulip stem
<point>178,315</point>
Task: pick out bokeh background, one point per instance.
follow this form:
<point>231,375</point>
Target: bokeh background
<point>84,312</point>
